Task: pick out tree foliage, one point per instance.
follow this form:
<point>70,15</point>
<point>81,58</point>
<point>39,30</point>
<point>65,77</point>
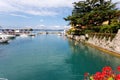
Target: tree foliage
<point>92,12</point>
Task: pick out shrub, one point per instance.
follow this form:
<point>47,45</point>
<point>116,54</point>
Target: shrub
<point>75,32</point>
<point>89,31</point>
<point>107,73</point>
<point>113,28</point>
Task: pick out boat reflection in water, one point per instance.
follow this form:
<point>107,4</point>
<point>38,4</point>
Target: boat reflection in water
<point>3,79</point>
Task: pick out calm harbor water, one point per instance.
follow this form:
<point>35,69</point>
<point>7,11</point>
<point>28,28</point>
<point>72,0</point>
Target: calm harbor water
<point>50,57</point>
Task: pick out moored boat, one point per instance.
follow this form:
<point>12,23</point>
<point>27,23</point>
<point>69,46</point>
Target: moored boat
<point>31,34</point>
<point>59,34</point>
<point>24,35</point>
<point>3,39</point>
<point>8,36</point>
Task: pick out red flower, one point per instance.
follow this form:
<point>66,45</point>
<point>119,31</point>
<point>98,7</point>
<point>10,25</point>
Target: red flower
<point>107,68</point>
<point>118,68</point>
<point>106,74</point>
<point>117,77</point>
<point>107,71</point>
<point>98,76</point>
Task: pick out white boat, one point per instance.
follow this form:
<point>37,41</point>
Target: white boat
<point>24,35</point>
<point>60,34</point>
<point>31,34</point>
<point>3,39</point>
<point>8,36</point>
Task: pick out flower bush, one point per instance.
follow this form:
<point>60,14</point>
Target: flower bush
<point>107,73</point>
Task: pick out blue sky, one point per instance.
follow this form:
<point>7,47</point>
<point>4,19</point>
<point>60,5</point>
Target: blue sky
<point>41,14</point>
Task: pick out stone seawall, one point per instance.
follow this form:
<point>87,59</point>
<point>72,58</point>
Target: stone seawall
<point>107,44</point>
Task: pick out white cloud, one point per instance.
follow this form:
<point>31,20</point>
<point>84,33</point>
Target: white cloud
<point>42,26</point>
<point>34,7</point>
<point>118,1</point>
<point>66,27</point>
<point>40,13</point>
<point>43,3</point>
<point>58,27</point>
<point>6,7</point>
<point>18,15</point>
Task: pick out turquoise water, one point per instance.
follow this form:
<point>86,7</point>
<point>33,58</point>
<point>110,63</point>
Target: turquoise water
<point>50,57</point>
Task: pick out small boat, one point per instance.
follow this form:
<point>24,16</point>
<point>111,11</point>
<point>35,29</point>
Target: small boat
<point>8,36</point>
<point>59,34</point>
<point>3,40</point>
<point>31,34</point>
<point>23,35</point>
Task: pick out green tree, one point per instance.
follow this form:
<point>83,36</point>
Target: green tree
<point>92,12</point>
